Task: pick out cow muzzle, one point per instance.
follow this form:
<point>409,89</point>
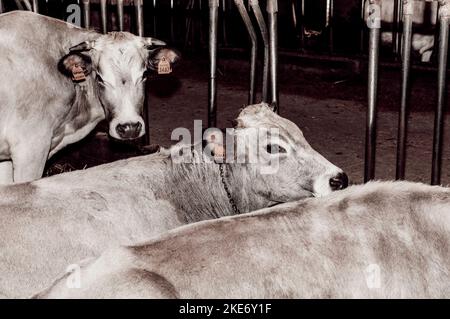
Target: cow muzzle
<point>338,182</point>
<point>129,131</point>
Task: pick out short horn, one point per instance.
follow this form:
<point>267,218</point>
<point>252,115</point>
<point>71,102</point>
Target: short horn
<point>83,46</point>
<point>152,42</point>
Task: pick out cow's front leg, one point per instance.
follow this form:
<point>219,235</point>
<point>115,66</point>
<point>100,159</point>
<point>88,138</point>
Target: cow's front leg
<point>6,173</point>
<point>29,162</point>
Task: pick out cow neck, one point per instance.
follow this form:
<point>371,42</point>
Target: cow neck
<point>197,190</point>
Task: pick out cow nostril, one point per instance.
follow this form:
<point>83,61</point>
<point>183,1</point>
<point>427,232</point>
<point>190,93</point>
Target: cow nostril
<point>129,130</point>
<point>137,127</point>
<point>121,129</point>
<point>340,181</point>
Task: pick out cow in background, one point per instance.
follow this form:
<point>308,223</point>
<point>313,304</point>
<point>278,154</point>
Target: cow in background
<point>61,82</point>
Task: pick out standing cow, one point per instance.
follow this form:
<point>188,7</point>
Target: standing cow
<point>60,81</point>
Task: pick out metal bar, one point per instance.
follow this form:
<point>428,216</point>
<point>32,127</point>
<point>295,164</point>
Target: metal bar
<point>213,17</point>
<point>254,50</point>
<point>104,16</point>
<point>361,36</point>
<point>139,6</point>
<point>272,10</point>
<point>120,14</point>
<point>87,13</point>
<point>328,23</point>
<point>408,11</point>
<point>154,18</point>
<point>265,36</point>
<point>36,6</point>
<point>444,15</point>
<point>302,24</point>
<point>396,43</point>
<point>2,8</point>
<point>373,22</point>
<point>28,5</point>
<point>19,4</point>
<point>172,21</point>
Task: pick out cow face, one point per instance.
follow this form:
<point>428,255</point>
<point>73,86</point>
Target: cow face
<point>118,64</point>
<point>286,167</point>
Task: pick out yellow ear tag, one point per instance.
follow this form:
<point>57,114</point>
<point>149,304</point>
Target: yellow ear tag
<point>164,66</point>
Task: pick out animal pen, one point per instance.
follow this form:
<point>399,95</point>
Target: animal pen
<point>306,20</point>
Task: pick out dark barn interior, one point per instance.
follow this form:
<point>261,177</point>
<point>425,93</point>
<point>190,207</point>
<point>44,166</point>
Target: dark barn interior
<point>322,83</point>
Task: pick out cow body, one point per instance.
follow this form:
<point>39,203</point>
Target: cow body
<point>380,240</point>
<point>42,109</point>
<point>37,112</point>
<point>49,224</point>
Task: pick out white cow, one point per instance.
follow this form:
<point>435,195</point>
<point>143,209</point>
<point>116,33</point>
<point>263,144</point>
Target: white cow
<point>49,224</point>
<point>59,81</point>
<point>380,240</point>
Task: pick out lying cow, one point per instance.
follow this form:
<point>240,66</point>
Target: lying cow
<point>51,223</point>
<point>423,44</point>
<point>380,240</point>
<point>60,82</point>
<point>425,13</point>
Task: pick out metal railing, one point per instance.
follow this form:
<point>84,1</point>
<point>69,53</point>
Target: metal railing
<point>373,17</point>
<point>269,35</point>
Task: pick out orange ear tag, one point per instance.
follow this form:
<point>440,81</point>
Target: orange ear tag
<point>164,66</point>
<point>78,74</point>
<point>219,151</point>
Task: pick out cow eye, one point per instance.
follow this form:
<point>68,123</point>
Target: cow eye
<point>275,149</point>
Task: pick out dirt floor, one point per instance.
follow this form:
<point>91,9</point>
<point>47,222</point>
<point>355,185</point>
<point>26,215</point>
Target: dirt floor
<point>328,104</point>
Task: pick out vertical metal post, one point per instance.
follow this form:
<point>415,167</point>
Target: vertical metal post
<point>104,15</point>
<point>265,36</point>
<point>28,5</point>
<point>373,12</point>
<point>254,50</point>
<point>36,6</point>
<point>362,32</point>
<point>120,14</point>
<point>444,18</point>
<point>139,6</point>
<point>172,22</point>
<point>87,13</point>
<point>154,18</point>
<point>272,10</point>
<point>1,6</point>
<point>397,14</point>
<point>408,12</point>
<point>212,96</point>
<point>329,23</point>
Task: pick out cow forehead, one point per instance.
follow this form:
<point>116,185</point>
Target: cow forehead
<point>121,49</point>
<point>262,116</point>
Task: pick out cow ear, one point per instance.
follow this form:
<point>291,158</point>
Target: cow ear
<point>163,57</point>
<point>75,66</point>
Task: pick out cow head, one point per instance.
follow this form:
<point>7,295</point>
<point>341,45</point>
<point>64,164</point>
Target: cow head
<point>284,166</point>
<point>118,64</point>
